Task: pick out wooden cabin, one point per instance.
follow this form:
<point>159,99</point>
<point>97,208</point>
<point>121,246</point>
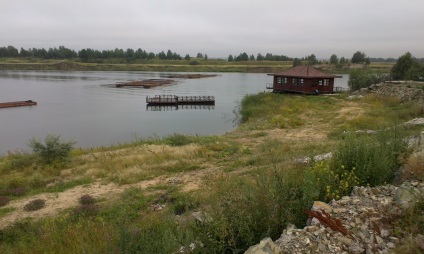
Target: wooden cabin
<point>303,79</point>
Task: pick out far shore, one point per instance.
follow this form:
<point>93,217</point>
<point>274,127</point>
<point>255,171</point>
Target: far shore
<point>179,66</point>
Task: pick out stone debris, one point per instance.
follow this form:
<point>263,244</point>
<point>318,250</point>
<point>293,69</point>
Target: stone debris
<point>404,91</point>
<point>366,214</point>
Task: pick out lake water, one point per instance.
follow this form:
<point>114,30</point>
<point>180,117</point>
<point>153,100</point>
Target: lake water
<point>87,108</point>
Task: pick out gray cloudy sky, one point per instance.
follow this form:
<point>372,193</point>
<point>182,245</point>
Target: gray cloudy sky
<point>296,28</point>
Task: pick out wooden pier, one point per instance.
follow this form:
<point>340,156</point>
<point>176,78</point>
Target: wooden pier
<point>17,104</point>
<point>180,100</point>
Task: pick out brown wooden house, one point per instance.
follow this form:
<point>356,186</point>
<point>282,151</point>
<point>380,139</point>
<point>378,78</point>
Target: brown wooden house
<point>303,79</point>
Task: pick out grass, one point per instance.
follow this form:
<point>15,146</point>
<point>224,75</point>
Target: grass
<point>252,184</point>
<point>210,65</point>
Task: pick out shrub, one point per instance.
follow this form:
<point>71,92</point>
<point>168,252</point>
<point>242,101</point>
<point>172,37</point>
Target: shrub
<point>17,192</point>
<point>35,205</point>
<point>3,201</point>
<point>85,210</point>
<point>86,199</point>
<point>53,150</point>
<point>364,78</point>
<point>177,140</point>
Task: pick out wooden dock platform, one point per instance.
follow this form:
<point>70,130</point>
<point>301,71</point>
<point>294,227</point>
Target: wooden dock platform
<point>180,100</point>
<point>17,104</point>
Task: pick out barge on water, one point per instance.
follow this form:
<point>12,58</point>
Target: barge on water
<point>179,100</point>
<point>17,104</point>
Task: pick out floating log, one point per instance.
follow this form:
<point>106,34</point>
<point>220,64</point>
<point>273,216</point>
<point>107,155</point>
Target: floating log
<point>180,100</point>
<point>147,83</point>
<point>191,76</point>
<point>17,104</point>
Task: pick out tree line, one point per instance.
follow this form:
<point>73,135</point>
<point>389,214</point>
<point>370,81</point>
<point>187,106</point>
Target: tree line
<point>89,54</point>
<point>407,67</point>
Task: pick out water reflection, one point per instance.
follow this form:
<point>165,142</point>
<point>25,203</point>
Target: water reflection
<point>179,107</point>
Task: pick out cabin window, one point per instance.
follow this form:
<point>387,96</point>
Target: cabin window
<point>294,81</point>
<point>326,82</point>
<point>314,82</point>
<point>284,81</point>
<point>278,80</point>
<point>301,82</point>
<point>320,82</point>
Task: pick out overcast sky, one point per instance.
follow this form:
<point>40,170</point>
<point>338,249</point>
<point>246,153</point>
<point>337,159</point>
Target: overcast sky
<point>296,28</point>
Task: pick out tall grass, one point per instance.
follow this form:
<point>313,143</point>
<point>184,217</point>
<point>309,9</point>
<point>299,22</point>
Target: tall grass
<point>374,157</point>
<point>245,210</point>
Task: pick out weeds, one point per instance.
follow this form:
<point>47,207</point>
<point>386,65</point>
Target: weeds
<point>326,184</point>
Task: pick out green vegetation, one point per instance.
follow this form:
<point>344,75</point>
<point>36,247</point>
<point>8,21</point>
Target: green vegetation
<point>362,78</point>
<point>407,68</point>
<point>53,151</point>
<point>231,191</point>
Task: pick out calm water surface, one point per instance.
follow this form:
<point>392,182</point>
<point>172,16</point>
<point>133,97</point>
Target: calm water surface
<point>86,107</point>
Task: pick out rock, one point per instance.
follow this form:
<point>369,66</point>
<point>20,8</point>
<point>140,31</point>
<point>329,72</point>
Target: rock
<point>175,180</point>
<point>407,195</point>
<point>318,205</point>
<point>266,246</point>
<point>364,216</point>
<point>419,241</point>
<point>344,240</point>
<point>354,248</point>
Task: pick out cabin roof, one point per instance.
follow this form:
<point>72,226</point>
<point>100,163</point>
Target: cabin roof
<point>304,72</point>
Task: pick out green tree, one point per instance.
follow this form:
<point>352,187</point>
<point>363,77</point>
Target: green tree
<point>334,59</point>
<point>343,61</point>
<point>199,55</point>
<point>312,59</point>
<point>259,57</point>
<point>206,57</point>
<point>187,57</point>
<point>297,62</point>
<point>83,54</point>
<point>230,58</point>
<point>358,57</point>
<point>252,58</point>
<point>402,67</point>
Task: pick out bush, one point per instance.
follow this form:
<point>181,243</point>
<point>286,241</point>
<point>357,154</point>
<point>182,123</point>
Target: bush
<point>177,140</point>
<point>86,199</point>
<point>35,205</point>
<point>3,201</point>
<point>85,210</point>
<point>364,78</point>
<point>53,150</point>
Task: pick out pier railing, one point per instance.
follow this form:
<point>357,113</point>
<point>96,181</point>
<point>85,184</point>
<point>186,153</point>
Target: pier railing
<point>162,99</point>
<point>173,99</point>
